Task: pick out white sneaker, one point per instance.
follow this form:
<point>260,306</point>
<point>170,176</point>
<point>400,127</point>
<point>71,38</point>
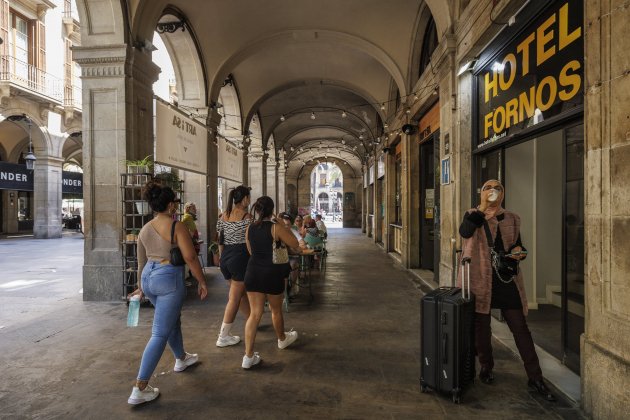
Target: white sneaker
<point>189,360</point>
<point>138,397</point>
<point>289,338</point>
<point>228,340</point>
<point>251,361</point>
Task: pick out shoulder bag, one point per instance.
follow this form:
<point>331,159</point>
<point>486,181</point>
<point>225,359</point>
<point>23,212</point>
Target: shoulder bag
<point>176,256</point>
<point>280,253</point>
<point>505,267</point>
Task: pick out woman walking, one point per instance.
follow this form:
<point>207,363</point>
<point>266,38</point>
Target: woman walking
<point>163,284</point>
<point>264,279</point>
<point>233,254</point>
<point>487,224</point>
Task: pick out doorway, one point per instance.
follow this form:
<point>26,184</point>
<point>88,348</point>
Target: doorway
<point>544,185</point>
<point>429,204</point>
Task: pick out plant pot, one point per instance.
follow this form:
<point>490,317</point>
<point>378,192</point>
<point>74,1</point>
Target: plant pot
<point>142,207</point>
<point>130,237</point>
<point>137,175</point>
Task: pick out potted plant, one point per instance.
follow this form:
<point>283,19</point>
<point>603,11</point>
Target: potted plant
<point>139,169</point>
<point>213,252</point>
<point>132,236</point>
<point>169,179</point>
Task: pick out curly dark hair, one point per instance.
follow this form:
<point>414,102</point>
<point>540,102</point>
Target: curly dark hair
<point>158,196</point>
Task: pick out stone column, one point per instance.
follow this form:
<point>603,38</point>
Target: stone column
<point>212,178</point>
<point>606,340</point>
<point>47,198</point>
<point>9,211</point>
<point>256,172</point>
<point>390,199</point>
<point>117,125</point>
<point>410,200</point>
<point>364,201</point>
<point>271,179</point>
<point>282,195</point>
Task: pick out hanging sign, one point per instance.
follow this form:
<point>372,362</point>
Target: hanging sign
<point>380,166</point>
<point>430,122</point>
<point>371,174</point>
<point>230,160</point>
<point>15,176</point>
<point>537,76</point>
<point>180,141</point>
<point>71,182</point>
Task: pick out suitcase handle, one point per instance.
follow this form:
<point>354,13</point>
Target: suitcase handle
<point>466,278</point>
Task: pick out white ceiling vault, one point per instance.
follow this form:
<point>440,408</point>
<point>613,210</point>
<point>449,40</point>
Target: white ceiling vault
<point>320,76</point>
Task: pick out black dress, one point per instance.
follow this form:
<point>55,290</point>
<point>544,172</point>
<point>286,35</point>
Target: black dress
<point>262,274</point>
<point>504,295</point>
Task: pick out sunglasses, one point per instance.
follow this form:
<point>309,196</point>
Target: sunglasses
<point>493,187</point>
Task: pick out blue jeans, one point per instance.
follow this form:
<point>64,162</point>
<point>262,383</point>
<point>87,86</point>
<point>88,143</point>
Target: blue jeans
<point>164,285</point>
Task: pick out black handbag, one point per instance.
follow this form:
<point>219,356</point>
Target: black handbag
<point>506,268</point>
<point>176,256</point>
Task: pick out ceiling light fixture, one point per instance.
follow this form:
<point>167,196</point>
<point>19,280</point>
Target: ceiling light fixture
<point>385,125</point>
<point>435,91</point>
<point>408,111</point>
<point>343,114</point>
<point>360,136</point>
<point>343,141</point>
<point>282,117</point>
<point>312,115</point>
<point>415,97</point>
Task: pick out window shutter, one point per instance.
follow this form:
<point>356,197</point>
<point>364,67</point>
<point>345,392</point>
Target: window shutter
<point>41,45</point>
<point>5,24</point>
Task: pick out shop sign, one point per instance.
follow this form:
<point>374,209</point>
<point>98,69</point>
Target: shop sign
<point>14,176</point>
<point>380,166</point>
<point>430,122</point>
<point>180,141</point>
<point>230,160</point>
<point>445,173</point>
<point>71,182</point>
<point>536,76</point>
<point>371,174</point>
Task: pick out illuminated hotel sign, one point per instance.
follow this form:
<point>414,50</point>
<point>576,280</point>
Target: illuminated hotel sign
<point>536,76</point>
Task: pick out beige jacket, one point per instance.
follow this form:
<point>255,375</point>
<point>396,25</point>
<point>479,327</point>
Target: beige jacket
<point>476,247</point>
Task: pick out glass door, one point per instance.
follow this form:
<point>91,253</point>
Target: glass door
<point>427,205</point>
<point>573,264</point>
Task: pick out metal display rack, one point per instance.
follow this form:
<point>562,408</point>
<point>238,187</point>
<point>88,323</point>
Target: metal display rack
<point>135,214</point>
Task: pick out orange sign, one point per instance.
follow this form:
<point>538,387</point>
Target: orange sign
<point>430,122</point>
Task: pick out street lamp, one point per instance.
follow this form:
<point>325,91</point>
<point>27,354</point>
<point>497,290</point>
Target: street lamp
<point>30,157</point>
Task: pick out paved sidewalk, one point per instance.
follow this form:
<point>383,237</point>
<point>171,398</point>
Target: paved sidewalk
<point>357,357</point>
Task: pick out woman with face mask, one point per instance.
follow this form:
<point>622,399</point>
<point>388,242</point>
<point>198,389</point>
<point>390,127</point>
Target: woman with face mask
<point>489,223</point>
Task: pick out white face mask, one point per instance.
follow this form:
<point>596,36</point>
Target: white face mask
<point>493,196</point>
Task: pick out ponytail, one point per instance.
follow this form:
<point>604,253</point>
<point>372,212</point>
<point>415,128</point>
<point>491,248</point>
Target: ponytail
<point>235,196</point>
<point>229,202</point>
<point>263,208</point>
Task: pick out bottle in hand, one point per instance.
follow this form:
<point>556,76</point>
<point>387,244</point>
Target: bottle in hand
<point>134,311</point>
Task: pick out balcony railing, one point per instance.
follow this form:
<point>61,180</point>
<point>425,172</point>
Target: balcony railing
<point>73,97</point>
<point>30,77</point>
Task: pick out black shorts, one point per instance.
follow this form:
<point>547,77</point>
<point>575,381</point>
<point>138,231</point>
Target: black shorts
<point>266,278</point>
<point>234,260</point>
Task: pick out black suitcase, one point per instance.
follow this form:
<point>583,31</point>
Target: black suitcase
<point>447,341</point>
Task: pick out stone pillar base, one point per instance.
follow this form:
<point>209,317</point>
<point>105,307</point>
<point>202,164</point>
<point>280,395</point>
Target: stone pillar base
<point>604,382</point>
<point>47,231</point>
<point>102,283</point>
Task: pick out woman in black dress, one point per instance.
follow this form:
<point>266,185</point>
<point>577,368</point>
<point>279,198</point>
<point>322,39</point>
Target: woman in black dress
<point>264,279</point>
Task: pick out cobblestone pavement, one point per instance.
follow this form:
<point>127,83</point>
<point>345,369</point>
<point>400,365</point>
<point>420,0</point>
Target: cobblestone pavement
<point>357,356</point>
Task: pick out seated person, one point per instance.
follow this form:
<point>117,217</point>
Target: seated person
<point>311,237</point>
<point>298,224</point>
<point>321,226</point>
<point>294,259</point>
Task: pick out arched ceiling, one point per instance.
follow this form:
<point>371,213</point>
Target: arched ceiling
<point>294,58</point>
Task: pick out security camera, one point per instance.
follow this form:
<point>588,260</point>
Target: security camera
<point>409,129</point>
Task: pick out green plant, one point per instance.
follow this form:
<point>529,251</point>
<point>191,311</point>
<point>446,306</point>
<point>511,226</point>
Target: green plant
<point>146,161</point>
<point>170,179</point>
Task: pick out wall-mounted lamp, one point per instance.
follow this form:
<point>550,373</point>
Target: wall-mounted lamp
<point>469,66</point>
<point>409,129</point>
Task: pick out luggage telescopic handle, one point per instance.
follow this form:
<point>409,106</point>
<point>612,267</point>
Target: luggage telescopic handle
<point>466,277</point>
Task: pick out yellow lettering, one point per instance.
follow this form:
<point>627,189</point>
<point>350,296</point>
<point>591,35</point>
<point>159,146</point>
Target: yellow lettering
<point>570,80</point>
<point>487,123</point>
<point>510,58</point>
<point>523,49</point>
<point>542,39</point>
<point>496,127</point>
<point>553,89</point>
<point>511,113</point>
<point>491,84</point>
<point>563,24</point>
<point>527,104</point>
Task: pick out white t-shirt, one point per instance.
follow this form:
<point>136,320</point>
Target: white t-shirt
<point>321,226</point>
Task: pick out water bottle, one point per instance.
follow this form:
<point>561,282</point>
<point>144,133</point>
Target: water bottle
<point>134,311</point>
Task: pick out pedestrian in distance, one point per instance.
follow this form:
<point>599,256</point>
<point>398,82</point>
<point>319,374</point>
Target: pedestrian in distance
<point>163,284</point>
<point>489,223</point>
<point>233,259</point>
<point>265,280</point>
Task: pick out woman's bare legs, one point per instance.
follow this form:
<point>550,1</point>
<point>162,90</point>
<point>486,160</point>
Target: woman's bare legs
<point>275,304</point>
<point>257,306</point>
<point>237,299</point>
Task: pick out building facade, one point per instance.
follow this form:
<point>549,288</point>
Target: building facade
<point>40,111</point>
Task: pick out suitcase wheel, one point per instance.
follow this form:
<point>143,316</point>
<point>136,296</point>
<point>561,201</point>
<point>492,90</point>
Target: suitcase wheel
<point>424,389</point>
<point>456,397</point>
